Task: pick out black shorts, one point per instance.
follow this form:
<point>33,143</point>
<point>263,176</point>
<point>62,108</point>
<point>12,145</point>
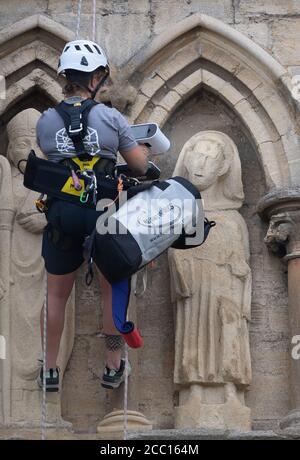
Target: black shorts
<point>63,237</point>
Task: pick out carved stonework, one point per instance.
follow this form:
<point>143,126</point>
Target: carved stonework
<point>281,208</point>
<point>278,233</point>
<point>112,425</point>
<point>26,283</point>
<point>211,289</point>
<point>118,92</point>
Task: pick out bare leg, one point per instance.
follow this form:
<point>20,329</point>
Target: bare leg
<point>113,358</point>
<point>59,288</point>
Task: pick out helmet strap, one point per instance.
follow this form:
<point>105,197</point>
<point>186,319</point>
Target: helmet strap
<point>94,91</point>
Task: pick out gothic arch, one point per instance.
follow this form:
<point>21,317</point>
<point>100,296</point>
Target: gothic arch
<point>32,28</point>
<point>36,89</point>
<point>203,51</point>
<point>29,55</point>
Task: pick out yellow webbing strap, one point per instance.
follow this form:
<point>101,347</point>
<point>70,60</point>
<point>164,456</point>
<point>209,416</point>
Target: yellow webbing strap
<point>83,164</point>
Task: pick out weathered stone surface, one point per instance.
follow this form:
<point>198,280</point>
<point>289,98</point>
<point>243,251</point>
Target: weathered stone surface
<point>286,41</point>
<point>18,10</point>
<point>207,434</point>
<point>27,281</point>
<point>212,340</point>
<point>259,116</point>
<point>260,33</point>
<point>163,11</point>
<point>247,8</point>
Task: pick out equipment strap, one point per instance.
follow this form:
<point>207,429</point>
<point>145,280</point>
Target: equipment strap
<point>75,118</point>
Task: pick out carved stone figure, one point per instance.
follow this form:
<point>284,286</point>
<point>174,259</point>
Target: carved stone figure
<point>211,289</point>
<point>27,278</point>
<point>6,221</point>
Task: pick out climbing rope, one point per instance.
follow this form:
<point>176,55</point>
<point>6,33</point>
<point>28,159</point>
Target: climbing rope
<point>94,21</point>
<point>126,394</point>
<point>78,18</point>
<point>44,405</point>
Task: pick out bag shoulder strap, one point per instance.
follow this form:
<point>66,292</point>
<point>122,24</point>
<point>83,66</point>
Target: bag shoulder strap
<point>75,118</point>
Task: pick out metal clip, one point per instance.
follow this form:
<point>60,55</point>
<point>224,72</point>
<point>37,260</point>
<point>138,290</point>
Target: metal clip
<point>84,196</point>
<point>77,130</point>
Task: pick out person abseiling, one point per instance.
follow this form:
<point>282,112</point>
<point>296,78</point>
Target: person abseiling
<point>82,135</point>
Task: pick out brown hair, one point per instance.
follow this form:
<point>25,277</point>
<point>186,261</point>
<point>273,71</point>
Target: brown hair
<point>72,87</point>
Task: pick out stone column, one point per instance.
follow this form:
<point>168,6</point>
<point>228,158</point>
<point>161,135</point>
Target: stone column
<point>281,208</point>
<point>6,222</point>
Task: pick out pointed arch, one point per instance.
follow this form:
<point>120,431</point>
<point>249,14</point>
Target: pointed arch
<point>201,50</point>
<point>36,27</point>
<point>28,59</point>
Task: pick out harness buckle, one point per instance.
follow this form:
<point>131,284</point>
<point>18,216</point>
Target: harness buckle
<point>76,130</point>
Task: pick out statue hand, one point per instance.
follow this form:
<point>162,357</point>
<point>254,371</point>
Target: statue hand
<point>33,223</point>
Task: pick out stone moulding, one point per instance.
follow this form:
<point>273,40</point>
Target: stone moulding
<point>30,23</point>
<point>285,198</point>
<point>198,20</point>
<point>250,80</point>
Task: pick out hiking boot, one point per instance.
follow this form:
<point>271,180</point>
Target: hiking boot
<point>52,379</point>
<point>112,378</point>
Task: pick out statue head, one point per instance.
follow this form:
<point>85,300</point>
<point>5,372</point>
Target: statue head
<point>22,136</point>
<point>210,160</point>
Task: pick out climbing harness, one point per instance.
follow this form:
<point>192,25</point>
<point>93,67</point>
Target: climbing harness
<point>75,120</point>
<point>56,181</point>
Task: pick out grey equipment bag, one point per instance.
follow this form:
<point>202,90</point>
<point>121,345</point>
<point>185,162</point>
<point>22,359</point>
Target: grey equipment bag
<point>168,213</point>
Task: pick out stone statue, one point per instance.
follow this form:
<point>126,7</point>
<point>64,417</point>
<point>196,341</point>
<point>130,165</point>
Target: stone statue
<point>6,222</point>
<point>27,278</point>
<point>211,290</point>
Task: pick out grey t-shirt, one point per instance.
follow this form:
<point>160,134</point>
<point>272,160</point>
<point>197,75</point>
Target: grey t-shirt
<point>107,133</point>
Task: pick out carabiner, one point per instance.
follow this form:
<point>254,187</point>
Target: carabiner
<point>84,196</point>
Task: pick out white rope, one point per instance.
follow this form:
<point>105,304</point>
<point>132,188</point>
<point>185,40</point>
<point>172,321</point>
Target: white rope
<point>94,21</point>
<point>78,18</point>
<point>44,405</point>
<point>126,393</point>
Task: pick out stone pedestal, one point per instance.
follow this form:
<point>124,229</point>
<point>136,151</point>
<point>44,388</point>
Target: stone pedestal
<point>281,208</point>
<point>212,408</point>
<point>112,425</point>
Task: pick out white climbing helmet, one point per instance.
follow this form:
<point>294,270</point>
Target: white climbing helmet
<point>83,55</point>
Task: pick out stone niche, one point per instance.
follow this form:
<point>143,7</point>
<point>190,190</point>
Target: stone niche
<point>85,403</point>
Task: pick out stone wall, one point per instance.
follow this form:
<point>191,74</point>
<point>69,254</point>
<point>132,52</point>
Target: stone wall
<point>273,24</point>
<point>124,28</point>
<point>269,325</point>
